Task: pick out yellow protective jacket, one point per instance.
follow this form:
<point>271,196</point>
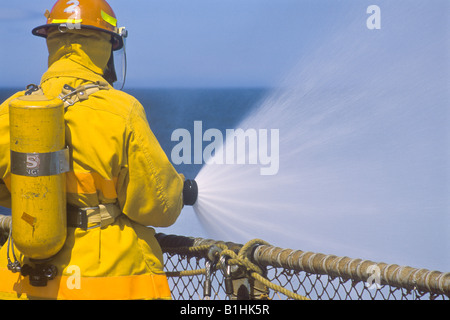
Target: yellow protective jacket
<point>115,159</point>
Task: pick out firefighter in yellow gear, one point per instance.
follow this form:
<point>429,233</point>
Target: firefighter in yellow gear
<point>119,180</point>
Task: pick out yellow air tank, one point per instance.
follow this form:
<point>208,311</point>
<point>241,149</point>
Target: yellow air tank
<point>38,162</point>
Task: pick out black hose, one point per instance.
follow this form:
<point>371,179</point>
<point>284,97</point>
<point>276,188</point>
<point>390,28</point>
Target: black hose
<point>190,192</point>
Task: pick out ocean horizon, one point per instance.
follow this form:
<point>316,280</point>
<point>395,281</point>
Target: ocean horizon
<point>171,108</point>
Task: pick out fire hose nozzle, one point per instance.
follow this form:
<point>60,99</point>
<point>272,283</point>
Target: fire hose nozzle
<point>190,192</point>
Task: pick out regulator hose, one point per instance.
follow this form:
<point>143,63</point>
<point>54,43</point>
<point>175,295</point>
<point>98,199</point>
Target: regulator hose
<point>190,192</point>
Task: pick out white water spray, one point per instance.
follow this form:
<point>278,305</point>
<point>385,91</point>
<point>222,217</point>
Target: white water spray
<point>363,150</point>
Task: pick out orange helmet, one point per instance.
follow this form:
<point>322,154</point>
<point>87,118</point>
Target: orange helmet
<point>77,14</point>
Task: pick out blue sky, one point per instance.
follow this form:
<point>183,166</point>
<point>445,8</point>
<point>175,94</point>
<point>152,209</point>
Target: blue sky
<point>185,43</point>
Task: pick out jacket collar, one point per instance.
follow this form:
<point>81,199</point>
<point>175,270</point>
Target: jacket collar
<point>71,69</point>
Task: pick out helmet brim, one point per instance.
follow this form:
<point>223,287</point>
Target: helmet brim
<point>116,39</point>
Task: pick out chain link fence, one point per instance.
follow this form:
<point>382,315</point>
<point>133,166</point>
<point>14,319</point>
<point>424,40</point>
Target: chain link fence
<point>201,269</point>
<point>198,270</point>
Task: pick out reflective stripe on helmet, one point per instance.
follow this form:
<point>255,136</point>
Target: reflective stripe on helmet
<point>67,21</point>
<point>109,19</point>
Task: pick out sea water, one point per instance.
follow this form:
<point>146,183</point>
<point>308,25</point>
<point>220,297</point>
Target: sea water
<point>169,109</point>
<point>364,140</point>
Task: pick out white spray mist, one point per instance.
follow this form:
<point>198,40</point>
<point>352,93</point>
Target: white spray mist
<point>363,163</point>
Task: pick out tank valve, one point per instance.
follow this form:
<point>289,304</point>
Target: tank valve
<point>190,192</point>
<point>40,274</point>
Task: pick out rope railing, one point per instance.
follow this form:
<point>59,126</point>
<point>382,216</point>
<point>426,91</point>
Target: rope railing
<point>227,270</point>
<point>355,269</point>
<point>414,283</point>
<point>5,223</point>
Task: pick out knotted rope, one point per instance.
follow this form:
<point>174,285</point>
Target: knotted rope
<point>241,259</point>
